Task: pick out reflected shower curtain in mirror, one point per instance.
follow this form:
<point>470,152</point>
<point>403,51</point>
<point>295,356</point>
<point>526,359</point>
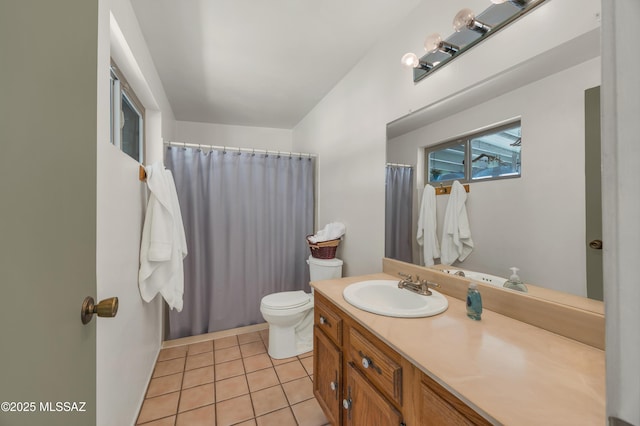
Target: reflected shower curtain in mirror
<point>246,217</point>
<point>398,207</point>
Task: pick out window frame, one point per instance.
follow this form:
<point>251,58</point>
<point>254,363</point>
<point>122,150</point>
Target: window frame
<point>120,87</point>
<point>466,141</point>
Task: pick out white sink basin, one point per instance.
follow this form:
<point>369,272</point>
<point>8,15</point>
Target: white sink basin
<point>383,297</point>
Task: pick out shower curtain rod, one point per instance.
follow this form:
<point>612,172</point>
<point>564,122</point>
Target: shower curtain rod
<point>399,165</point>
<point>249,150</point>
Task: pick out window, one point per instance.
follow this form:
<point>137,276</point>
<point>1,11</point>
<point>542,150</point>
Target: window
<point>127,117</point>
<point>487,155</point>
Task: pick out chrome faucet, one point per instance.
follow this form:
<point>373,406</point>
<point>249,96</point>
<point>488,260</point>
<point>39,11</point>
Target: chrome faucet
<point>419,286</point>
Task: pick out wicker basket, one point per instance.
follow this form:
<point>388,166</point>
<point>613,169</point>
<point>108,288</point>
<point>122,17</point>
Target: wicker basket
<point>323,249</point>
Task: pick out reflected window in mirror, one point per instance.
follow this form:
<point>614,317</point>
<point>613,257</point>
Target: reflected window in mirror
<point>487,155</point>
<point>446,162</point>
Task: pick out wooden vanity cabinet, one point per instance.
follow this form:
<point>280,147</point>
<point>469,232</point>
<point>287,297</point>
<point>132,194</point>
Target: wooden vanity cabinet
<point>358,380</point>
<point>438,406</point>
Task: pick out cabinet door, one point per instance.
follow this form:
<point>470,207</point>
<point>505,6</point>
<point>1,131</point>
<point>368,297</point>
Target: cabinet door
<point>327,372</point>
<point>364,405</point>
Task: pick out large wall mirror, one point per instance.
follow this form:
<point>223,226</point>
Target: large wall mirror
<point>540,222</point>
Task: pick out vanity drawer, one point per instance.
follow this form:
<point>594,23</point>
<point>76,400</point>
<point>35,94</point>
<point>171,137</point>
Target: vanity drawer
<point>378,367</point>
<point>328,321</point>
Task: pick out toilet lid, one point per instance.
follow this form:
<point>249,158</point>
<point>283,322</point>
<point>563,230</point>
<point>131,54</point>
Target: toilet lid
<point>324,262</point>
<point>286,299</point>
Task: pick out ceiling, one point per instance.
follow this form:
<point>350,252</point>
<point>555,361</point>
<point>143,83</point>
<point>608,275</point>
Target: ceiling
<point>256,62</point>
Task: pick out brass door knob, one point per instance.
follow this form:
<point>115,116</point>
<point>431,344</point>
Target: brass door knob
<point>106,308</point>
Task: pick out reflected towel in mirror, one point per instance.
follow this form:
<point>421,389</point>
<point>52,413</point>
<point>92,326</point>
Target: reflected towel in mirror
<point>456,234</point>
<point>427,226</point>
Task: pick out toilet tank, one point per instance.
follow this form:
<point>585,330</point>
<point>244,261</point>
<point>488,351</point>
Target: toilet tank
<point>324,269</point>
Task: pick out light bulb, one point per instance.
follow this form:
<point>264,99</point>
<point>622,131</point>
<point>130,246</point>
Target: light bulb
<point>410,60</point>
<point>463,19</point>
<point>432,43</point>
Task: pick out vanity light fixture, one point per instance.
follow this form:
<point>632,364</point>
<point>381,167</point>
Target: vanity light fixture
<point>471,29</point>
<point>519,3</point>
<point>410,60</point>
<point>467,19</point>
<point>434,43</point>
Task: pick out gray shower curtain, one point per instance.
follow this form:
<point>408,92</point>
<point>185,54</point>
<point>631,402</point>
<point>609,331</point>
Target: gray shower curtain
<point>398,236</point>
<point>246,216</point>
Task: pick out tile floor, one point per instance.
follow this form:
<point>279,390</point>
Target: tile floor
<point>230,381</point>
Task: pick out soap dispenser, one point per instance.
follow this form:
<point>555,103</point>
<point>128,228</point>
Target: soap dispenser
<point>514,282</point>
<point>474,302</point>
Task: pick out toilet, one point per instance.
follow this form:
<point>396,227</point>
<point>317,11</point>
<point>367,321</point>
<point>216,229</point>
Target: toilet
<point>290,313</point>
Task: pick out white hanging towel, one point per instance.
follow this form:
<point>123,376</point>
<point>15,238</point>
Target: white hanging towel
<point>427,225</point>
<point>164,245</point>
<point>456,234</point>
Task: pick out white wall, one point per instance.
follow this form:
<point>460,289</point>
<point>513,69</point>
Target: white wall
<point>235,136</point>
<point>514,222</point>
<point>347,128</point>
<point>127,345</point>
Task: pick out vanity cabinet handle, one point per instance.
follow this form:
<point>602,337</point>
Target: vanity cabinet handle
<point>333,386</point>
<point>346,403</point>
<point>323,320</point>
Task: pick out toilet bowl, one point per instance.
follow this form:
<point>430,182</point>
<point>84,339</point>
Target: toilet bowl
<point>290,318</point>
<point>290,313</point>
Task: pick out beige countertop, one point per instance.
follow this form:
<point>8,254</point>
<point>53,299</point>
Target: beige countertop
<point>509,371</point>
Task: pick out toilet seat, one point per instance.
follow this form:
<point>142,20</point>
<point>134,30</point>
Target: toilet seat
<point>286,300</point>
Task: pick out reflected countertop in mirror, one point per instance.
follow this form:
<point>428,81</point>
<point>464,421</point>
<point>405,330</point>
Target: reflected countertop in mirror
<point>578,302</point>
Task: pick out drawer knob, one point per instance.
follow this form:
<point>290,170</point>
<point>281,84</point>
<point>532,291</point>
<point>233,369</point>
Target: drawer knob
<point>366,362</point>
<point>333,386</point>
<point>323,320</point>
